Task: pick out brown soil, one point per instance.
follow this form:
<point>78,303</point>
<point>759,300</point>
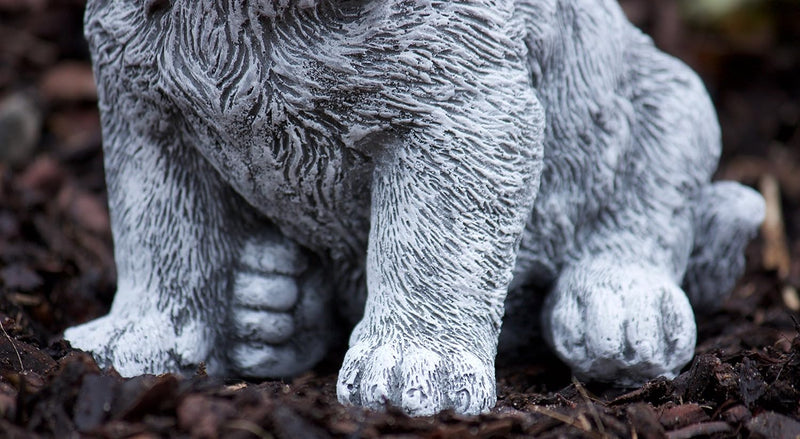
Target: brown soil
<point>56,270</point>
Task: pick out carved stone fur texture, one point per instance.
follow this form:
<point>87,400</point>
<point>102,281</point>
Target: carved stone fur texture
<point>412,165</point>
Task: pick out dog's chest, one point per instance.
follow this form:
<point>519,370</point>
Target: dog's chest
<point>276,115</point>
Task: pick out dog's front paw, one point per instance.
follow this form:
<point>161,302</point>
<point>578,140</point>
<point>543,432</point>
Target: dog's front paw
<point>143,343</point>
<point>419,380</point>
<point>620,325</point>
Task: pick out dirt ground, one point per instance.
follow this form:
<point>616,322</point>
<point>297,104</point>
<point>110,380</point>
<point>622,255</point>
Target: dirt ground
<point>56,269</point>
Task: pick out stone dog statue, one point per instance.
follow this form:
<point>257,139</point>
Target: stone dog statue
<point>413,166</point>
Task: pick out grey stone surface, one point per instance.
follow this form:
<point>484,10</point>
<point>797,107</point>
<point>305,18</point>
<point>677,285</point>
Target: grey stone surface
<point>405,164</point>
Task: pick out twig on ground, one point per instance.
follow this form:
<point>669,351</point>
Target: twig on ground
<point>776,250</point>
<point>572,422</point>
<point>19,357</point>
<point>590,403</point>
<point>249,427</point>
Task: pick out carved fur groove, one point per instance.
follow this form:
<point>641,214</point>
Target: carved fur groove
<point>413,166</point>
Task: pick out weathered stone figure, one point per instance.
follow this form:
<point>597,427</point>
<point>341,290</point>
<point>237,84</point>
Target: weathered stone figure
<point>406,164</point>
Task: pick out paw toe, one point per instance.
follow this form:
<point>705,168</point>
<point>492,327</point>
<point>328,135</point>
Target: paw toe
<point>260,291</point>
<point>264,326</point>
<point>472,388</point>
<point>422,374</point>
<point>349,383</point>
<point>379,383</point>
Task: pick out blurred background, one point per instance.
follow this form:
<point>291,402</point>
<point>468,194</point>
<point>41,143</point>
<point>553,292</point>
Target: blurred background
<point>55,247</point>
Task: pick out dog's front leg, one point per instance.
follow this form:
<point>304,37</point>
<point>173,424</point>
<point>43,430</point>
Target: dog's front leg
<point>449,203</point>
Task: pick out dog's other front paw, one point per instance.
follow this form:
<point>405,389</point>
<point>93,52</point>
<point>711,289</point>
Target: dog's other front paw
<point>279,322</point>
<point>283,328</point>
<point>419,380</point>
<point>623,325</point>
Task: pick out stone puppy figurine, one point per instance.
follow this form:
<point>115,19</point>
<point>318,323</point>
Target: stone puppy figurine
<point>405,164</point>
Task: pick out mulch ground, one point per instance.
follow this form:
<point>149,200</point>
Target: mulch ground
<point>56,270</point>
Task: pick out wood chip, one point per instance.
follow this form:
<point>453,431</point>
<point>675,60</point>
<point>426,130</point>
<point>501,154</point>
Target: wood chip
<point>698,430</point>
<point>645,421</point>
<point>677,417</point>
<point>771,425</point>
<point>790,298</point>
<point>94,400</point>
<point>776,250</point>
<point>69,81</point>
<point>20,277</point>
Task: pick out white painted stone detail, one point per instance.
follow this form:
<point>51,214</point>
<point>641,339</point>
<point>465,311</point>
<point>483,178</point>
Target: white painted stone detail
<point>407,165</point>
